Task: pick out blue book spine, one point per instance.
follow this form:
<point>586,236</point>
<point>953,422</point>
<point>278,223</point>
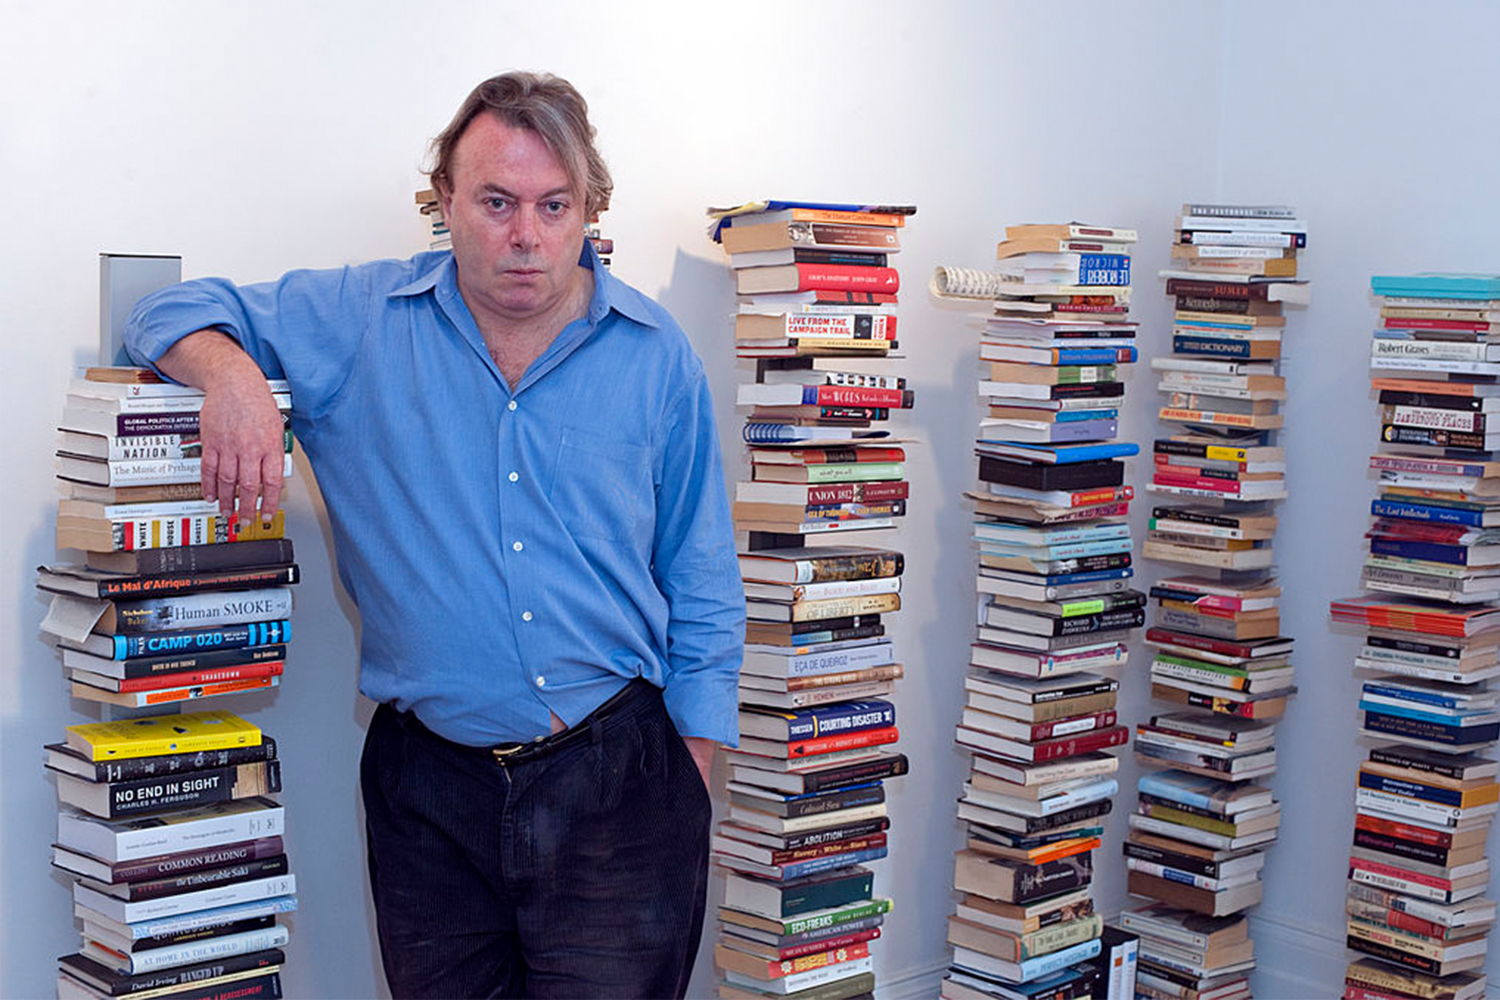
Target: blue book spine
<point>1095,355</point>
<point>1095,576</point>
<point>1045,965</point>
<point>832,861</point>
<point>1220,347</point>
<point>1201,324</point>
<point>1075,431</point>
<point>1379,718</point>
<point>1084,452</point>
<point>1410,789</point>
<point>1104,261</point>
<point>1427,697</point>
<point>1059,537</point>
<point>846,717</point>
<point>1069,416</point>
<point>1103,275</point>
<point>1424,512</point>
<point>844,790</point>
<point>1437,286</point>
<point>1151,784</point>
<point>199,640</point>
<point>1457,555</point>
<point>1455,720</point>
<point>1048,553</point>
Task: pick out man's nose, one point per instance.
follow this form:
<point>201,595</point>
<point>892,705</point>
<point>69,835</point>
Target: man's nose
<point>523,230</point>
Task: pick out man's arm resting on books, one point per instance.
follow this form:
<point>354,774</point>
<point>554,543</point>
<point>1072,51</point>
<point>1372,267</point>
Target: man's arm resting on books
<point>240,427</point>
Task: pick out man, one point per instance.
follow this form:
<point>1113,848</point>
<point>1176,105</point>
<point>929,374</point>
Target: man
<point>520,465</point>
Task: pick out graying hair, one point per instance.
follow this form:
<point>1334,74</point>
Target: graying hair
<point>550,107</point>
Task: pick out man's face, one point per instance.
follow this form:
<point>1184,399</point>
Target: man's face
<point>516,222</point>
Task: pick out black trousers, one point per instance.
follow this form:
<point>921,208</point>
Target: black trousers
<point>577,872</point>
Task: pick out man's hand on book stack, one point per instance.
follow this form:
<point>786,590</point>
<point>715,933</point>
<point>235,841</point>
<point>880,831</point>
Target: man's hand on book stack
<point>243,441</point>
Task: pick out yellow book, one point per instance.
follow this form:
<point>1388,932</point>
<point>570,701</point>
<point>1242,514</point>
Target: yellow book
<point>162,734</point>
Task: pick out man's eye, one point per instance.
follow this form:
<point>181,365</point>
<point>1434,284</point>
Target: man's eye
<point>557,207</point>
<point>496,203</point>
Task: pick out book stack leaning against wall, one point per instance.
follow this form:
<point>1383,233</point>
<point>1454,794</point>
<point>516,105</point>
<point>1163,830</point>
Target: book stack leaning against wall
<point>1056,611</point>
<point>816,332</point>
<point>1426,794</point>
<point>1220,663</point>
<point>164,826</point>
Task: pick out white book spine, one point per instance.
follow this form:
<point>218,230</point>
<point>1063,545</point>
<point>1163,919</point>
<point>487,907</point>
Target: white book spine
<point>210,948</point>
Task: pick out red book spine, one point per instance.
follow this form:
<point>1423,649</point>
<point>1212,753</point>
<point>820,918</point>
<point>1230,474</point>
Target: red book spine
<point>1219,646</point>
<point>847,277</point>
<point>1096,722</point>
<point>1412,323</point>
<point>189,677</point>
<point>1402,921</point>
<point>1392,871</point>
<point>830,456</point>
<point>827,944</point>
<point>869,843</point>
<point>1106,494</point>
<point>871,492</point>
<point>1196,482</point>
<point>1405,831</point>
<point>1072,746</point>
<point>842,741</point>
<point>847,395</point>
<point>1353,991</point>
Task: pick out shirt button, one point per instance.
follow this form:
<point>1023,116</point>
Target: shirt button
<point>541,682</point>
<point>526,616</point>
<point>511,405</point>
<point>517,546</point>
<point>513,477</point>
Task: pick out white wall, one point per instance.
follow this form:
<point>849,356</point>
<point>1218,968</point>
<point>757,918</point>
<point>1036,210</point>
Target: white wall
<point>255,139</point>
<point>1381,126</point>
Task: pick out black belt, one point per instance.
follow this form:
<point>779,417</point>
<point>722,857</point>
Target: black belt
<point>517,753</point>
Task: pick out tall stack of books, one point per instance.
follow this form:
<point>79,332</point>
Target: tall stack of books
<point>1202,825</point>
<point>1056,609</point>
<point>439,238</point>
<point>178,863</point>
<point>807,808</point>
<point>1427,791</point>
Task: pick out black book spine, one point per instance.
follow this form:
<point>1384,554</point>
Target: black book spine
<point>817,838</point>
<point>849,621</point>
<point>1412,646</point>
<point>1402,757</point>
<point>208,878</point>
<point>816,805</point>
<point>1431,731</point>
<point>1395,397</point>
<point>1102,621</point>
<point>202,558</point>
<point>1172,859</point>
<point>1395,955</point>
<point>123,984</point>
<point>1195,517</point>
<point>178,763</point>
<point>184,791</point>
<point>1091,810</point>
<point>214,659</point>
<point>1053,877</point>
<point>172,584</point>
<point>267,987</point>
<point>203,933</point>
<point>1401,848</point>
<point>821,781</point>
<point>1099,474</point>
<point>177,865</point>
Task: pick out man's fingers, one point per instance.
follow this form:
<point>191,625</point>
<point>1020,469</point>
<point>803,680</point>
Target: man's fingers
<point>210,474</point>
<point>249,490</point>
<point>270,470</point>
<point>225,479</point>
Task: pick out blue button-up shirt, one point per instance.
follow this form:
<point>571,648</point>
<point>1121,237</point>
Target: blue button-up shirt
<point>511,551</point>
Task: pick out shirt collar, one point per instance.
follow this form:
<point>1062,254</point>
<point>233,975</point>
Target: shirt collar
<point>609,292</point>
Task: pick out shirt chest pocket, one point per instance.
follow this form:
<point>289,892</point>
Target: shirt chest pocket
<point>602,487</point>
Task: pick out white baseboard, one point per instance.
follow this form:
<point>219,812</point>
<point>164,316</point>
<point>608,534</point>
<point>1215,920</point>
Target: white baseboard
<point>1309,961</point>
<point>915,984</point>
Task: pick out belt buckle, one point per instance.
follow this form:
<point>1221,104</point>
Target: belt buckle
<point>501,753</point>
